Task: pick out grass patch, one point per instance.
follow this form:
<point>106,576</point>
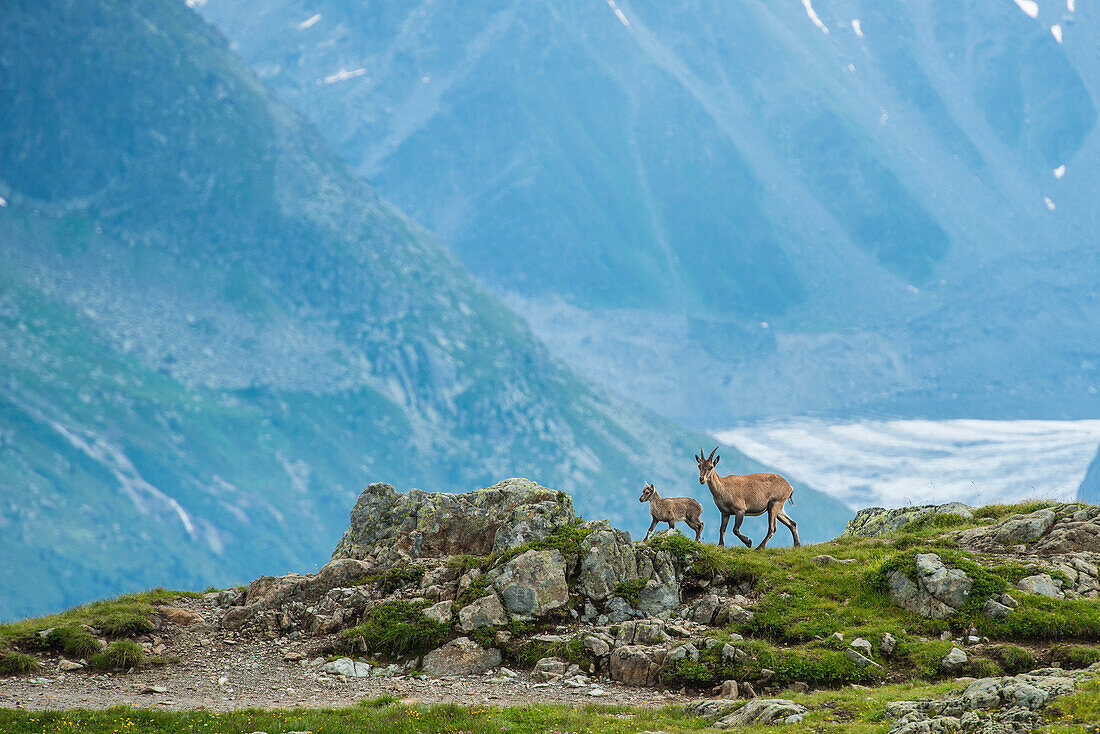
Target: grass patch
<point>1077,713</point>
<point>121,617</point>
<point>1014,659</point>
<point>396,629</point>
<point>378,702</point>
<point>74,641</point>
<point>478,588</point>
<point>935,522</point>
<point>14,663</point>
<point>999,512</point>
<point>1075,656</point>
<point>124,654</point>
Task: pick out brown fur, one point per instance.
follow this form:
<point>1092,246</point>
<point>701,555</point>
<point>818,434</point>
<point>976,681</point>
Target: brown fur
<point>747,494</point>
<point>672,510</point>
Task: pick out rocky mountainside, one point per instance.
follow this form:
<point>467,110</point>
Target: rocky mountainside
<point>740,210</point>
<point>210,331</point>
<point>504,596</point>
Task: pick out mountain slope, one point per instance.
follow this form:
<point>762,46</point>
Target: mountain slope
<point>212,335</point>
<point>801,201</point>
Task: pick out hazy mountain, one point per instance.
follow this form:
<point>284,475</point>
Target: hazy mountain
<point>212,335</point>
<point>731,210</point>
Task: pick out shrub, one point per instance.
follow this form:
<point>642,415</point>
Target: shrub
<point>397,629</point>
<point>1014,659</point>
<point>13,663</point>
<point>124,654</point>
<point>571,651</point>
<point>631,590</point>
<point>74,641</point>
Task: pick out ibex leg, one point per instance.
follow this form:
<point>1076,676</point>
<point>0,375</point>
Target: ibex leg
<point>722,531</point>
<point>651,526</point>
<point>737,529</point>
<point>786,520</point>
<point>773,511</point>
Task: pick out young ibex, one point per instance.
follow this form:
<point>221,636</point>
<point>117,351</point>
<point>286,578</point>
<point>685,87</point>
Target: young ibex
<point>746,494</point>
<point>672,510</point>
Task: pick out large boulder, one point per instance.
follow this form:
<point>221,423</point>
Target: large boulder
<point>484,612</point>
<point>607,559</point>
<point>880,521</point>
<point>462,656</point>
<point>938,592</point>
<point>762,711</point>
<point>532,583</point>
<point>637,665</point>
<point>389,527</point>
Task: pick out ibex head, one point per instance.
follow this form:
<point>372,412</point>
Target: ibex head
<point>706,466</point>
<point>647,493</point>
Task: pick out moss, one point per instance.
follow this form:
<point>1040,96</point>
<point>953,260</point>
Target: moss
<point>124,654</point>
<point>396,629</point>
<point>1075,656</point>
<point>73,641</point>
<point>631,590</point>
<point>14,663</point>
<point>1014,659</point>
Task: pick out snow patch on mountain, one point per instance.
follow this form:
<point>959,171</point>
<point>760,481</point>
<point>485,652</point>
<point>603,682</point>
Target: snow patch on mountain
<point>902,462</point>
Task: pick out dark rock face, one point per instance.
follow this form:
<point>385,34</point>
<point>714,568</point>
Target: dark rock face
<point>387,526</point>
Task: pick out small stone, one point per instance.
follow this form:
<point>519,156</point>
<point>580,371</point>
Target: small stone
<point>149,690</point>
<point>954,660</point>
<point>440,612</point>
<point>292,656</point>
<point>862,646</point>
<point>860,660</point>
<point>889,642</point>
<point>348,667</point>
<point>1041,584</point>
<point>996,610</point>
<point>1008,601</point>
<point>68,666</point>
<point>728,690</point>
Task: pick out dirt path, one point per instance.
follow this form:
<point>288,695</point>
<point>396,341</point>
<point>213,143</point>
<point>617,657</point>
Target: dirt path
<point>221,671</point>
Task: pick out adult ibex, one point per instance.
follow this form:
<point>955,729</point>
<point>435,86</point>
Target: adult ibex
<point>746,494</point>
<point>672,510</point>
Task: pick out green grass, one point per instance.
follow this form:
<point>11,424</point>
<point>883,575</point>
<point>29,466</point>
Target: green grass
<point>1075,656</point>
<point>397,629</point>
<point>14,663</point>
<point>120,617</point>
<point>631,590</point>
<point>1000,512</point>
<point>74,641</point>
<point>531,651</point>
<point>1075,714</point>
<point>120,654</point>
<point>1014,659</point>
<point>392,579</point>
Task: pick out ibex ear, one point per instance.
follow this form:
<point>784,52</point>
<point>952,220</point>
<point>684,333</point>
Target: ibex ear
<point>697,459</point>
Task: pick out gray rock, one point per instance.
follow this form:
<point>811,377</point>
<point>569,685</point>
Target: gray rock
<point>688,651</point>
<point>1041,584</point>
<point>731,654</point>
<point>68,666</point>
<point>462,656</point>
<point>532,583</point>
<point>657,599</point>
<point>827,560</point>
<point>889,642</point>
<point>860,660</point>
<point>1008,601</point>
<point>728,690</point>
<point>485,612</point>
<point>636,665</point>
<point>1023,528</point>
<point>607,559</point>
<point>996,610</point>
<point>710,709</point>
<point>760,711</point>
<point>862,646</point>
<point>390,526</point>
<point>597,646</point>
<point>938,591</point>
<point>348,667</point>
<point>642,632</point>
<point>953,660</point>
<point>619,610</point>
<point>269,593</point>
<point>550,669</point>
<point>440,612</point>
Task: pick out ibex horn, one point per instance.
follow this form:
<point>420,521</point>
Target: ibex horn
<point>701,452</point>
<point>712,453</point>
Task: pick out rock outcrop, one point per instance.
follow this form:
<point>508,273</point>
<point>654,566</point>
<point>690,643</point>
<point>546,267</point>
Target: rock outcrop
<point>532,583</point>
<point>1058,530</point>
<point>387,526</point>
<point>461,656</point>
<point>1007,704</point>
<point>874,521</point>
